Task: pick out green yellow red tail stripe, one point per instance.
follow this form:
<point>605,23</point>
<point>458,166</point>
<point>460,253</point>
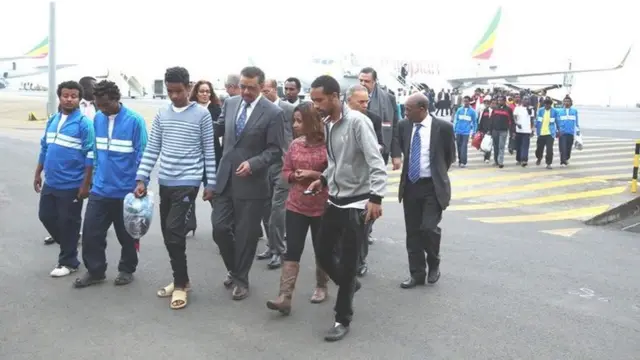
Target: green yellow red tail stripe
<point>41,50</point>
<point>484,48</point>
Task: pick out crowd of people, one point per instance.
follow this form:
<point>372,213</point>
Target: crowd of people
<point>299,167</point>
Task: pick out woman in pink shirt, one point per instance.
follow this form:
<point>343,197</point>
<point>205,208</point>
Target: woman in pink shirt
<point>303,163</point>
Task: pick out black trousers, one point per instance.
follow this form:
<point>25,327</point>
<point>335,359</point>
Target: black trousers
<point>343,229</point>
<point>236,229</point>
<point>364,247</point>
<point>422,214</point>
<point>175,203</point>
<point>565,144</point>
<point>60,211</point>
<point>298,226</point>
<point>100,214</point>
<point>542,143</point>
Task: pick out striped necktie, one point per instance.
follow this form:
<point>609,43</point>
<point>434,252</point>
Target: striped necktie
<point>414,155</point>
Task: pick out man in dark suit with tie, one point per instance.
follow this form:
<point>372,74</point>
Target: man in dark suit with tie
<point>428,146</point>
<point>253,129</point>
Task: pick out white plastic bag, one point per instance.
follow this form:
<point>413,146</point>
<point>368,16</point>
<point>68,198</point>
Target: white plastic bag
<point>577,142</point>
<point>487,143</point>
<point>137,214</point>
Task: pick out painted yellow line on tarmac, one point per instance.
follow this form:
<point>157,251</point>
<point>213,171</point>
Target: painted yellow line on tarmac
<point>541,200</point>
<point>535,186</point>
<point>522,187</point>
<point>574,214</point>
<point>520,176</point>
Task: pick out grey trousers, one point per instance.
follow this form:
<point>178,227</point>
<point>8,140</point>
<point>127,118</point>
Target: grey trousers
<point>499,142</point>
<point>274,211</point>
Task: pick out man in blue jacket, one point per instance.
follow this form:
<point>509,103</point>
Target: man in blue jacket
<point>66,157</point>
<point>546,127</point>
<point>121,136</point>
<point>569,127</point>
<point>465,123</point>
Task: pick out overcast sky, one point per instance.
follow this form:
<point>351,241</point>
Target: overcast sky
<point>214,37</point>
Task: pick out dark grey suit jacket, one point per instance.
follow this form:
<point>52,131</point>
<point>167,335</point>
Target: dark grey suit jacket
<point>442,155</point>
<point>288,122</point>
<point>260,143</point>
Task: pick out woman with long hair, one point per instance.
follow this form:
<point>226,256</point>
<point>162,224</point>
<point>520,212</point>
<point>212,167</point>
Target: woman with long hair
<point>203,93</point>
<point>303,163</point>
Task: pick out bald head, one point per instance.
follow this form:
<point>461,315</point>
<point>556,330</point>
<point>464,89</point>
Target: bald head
<point>270,89</point>
<point>416,107</point>
<point>419,100</point>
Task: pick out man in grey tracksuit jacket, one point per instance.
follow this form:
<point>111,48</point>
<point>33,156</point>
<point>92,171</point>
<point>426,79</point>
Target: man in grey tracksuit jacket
<point>356,175</point>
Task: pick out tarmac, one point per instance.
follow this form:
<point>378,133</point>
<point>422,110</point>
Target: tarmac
<point>522,276</point>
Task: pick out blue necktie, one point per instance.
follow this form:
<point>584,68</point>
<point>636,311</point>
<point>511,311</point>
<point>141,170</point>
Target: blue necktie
<point>414,156</point>
<point>242,120</point>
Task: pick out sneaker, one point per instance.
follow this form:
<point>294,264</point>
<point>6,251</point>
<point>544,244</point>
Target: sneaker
<point>518,163</point>
<point>62,270</point>
<point>549,167</point>
<point>486,161</point>
<point>463,165</point>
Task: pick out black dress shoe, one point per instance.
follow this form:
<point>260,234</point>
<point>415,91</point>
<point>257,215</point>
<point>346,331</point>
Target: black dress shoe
<point>275,263</point>
<point>228,281</point>
<point>264,255</point>
<point>49,240</point>
<point>337,332</point>
<point>434,276</point>
<point>411,282</point>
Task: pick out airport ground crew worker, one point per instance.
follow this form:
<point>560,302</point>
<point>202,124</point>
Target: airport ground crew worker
<point>66,156</point>
<point>121,137</point>
<point>465,123</point>
<point>569,127</point>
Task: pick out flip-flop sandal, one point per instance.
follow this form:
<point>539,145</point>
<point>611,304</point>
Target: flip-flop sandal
<point>178,299</point>
<point>168,290</point>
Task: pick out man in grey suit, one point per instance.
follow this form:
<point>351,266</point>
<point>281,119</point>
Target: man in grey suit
<point>253,132</point>
<point>428,146</point>
<point>274,212</point>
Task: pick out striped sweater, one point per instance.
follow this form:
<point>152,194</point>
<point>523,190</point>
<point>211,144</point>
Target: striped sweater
<point>183,142</point>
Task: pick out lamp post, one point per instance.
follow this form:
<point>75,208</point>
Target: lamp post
<point>52,103</point>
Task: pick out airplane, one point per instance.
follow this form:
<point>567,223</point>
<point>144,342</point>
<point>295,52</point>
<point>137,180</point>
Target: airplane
<point>37,53</point>
<point>434,74</point>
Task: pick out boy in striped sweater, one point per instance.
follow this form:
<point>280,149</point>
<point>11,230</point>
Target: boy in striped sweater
<point>182,139</point>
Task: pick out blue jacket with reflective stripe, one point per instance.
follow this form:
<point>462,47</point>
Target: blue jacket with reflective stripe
<point>568,121</point>
<point>66,154</point>
<point>553,121</point>
<point>465,121</point>
<point>117,155</point>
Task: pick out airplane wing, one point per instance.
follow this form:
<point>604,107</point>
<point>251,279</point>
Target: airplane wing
<point>35,71</point>
<point>2,59</point>
<point>513,77</point>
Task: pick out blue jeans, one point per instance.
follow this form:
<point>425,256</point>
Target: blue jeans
<point>523,141</point>
<point>462,142</point>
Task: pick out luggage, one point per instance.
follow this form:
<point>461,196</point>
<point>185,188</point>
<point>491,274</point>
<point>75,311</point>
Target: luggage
<point>487,143</point>
<point>477,140</point>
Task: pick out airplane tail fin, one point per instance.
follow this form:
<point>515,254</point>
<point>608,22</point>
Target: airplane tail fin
<point>484,48</point>
<point>39,51</point>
